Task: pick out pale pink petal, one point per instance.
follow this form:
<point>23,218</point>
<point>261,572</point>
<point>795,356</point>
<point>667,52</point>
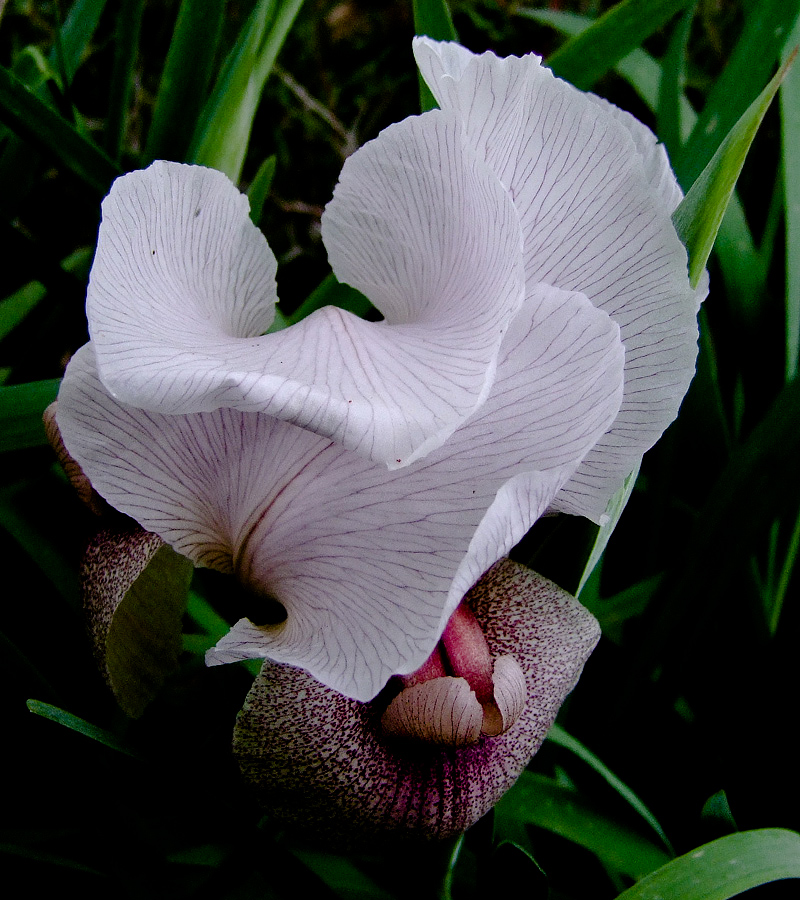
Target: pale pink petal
<point>369,564</point>
<point>183,287</point>
<point>595,198</point>
<point>322,763</point>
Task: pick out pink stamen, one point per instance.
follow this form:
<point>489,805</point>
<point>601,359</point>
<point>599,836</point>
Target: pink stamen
<point>433,667</point>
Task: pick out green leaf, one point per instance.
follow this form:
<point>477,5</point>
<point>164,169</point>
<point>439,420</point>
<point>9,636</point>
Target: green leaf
<point>432,18</point>
<point>38,123</point>
<point>214,627</point>
<point>541,801</point>
<point>341,875</point>
<point>670,88</point>
<point>68,720</point>
<point>223,133</point>
<point>563,739</point>
<point>76,33</point>
<point>331,292</point>
<point>21,408</point>
<point>614,510</point>
<point>790,133</point>
<point>614,611</point>
<point>746,71</point>
<point>723,868</point>
<point>185,79</point>
<point>698,218</point>
<point>260,187</point>
<point>760,481</point>
<point>126,42</point>
<point>135,592</point>
<point>588,56</point>
<point>16,306</point>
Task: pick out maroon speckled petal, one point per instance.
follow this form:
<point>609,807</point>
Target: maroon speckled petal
<point>320,761</point>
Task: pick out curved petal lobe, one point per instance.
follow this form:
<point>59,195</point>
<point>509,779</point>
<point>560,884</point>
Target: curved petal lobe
<point>368,564</point>
<point>594,197</point>
<point>183,287</point>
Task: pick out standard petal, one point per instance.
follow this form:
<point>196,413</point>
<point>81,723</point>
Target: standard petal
<point>183,287</point>
<point>322,763</point>
<point>369,564</point>
<point>595,199</point>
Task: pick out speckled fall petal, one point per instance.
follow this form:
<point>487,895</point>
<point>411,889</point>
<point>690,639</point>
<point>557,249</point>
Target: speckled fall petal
<point>322,763</point>
<point>134,588</point>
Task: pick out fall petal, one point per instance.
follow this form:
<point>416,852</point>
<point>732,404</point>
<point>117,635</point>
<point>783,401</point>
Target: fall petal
<point>322,763</point>
<point>134,588</point>
<point>595,199</point>
<point>183,287</point>
<point>368,564</point>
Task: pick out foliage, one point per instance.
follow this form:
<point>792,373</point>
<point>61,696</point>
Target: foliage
<point>691,691</point>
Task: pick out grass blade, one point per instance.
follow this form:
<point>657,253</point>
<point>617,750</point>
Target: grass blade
<point>35,121</point>
<point>723,868</point>
<point>698,218</point>
<point>747,70</point>
<point>185,80</point>
<point>223,134</point>
<point>563,739</point>
<point>588,56</point>
<point>790,132</point>
<point>543,802</point>
<point>68,720</point>
<point>21,408</point>
<point>129,24</point>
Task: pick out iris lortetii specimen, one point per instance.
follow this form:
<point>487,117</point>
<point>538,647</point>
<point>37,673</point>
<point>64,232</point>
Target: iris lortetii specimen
<point>539,333</point>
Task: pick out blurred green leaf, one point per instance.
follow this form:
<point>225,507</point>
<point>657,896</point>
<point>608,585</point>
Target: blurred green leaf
<point>759,482</point>
<point>260,187</point>
<point>432,18</point>
<point>68,720</point>
<point>185,79</point>
<point>55,564</point>
<point>33,68</point>
<point>541,801</point>
<point>341,875</point>
<point>614,510</point>
<point>223,132</point>
<point>750,64</point>
<point>38,123</point>
<point>51,859</point>
<point>77,31</point>
<point>213,626</point>
<point>615,611</point>
<point>21,408</point>
<point>723,868</point>
<point>17,163</point>
<point>790,135</point>
<point>699,215</point>
<point>331,292</point>
<point>512,866</point>
<point>563,739</point>
<point>589,55</point>
<point>717,810</point>
<point>16,306</point>
<point>126,43</point>
<point>670,89</point>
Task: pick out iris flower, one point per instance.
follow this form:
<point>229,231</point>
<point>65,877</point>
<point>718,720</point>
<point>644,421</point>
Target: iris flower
<point>538,334</point>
